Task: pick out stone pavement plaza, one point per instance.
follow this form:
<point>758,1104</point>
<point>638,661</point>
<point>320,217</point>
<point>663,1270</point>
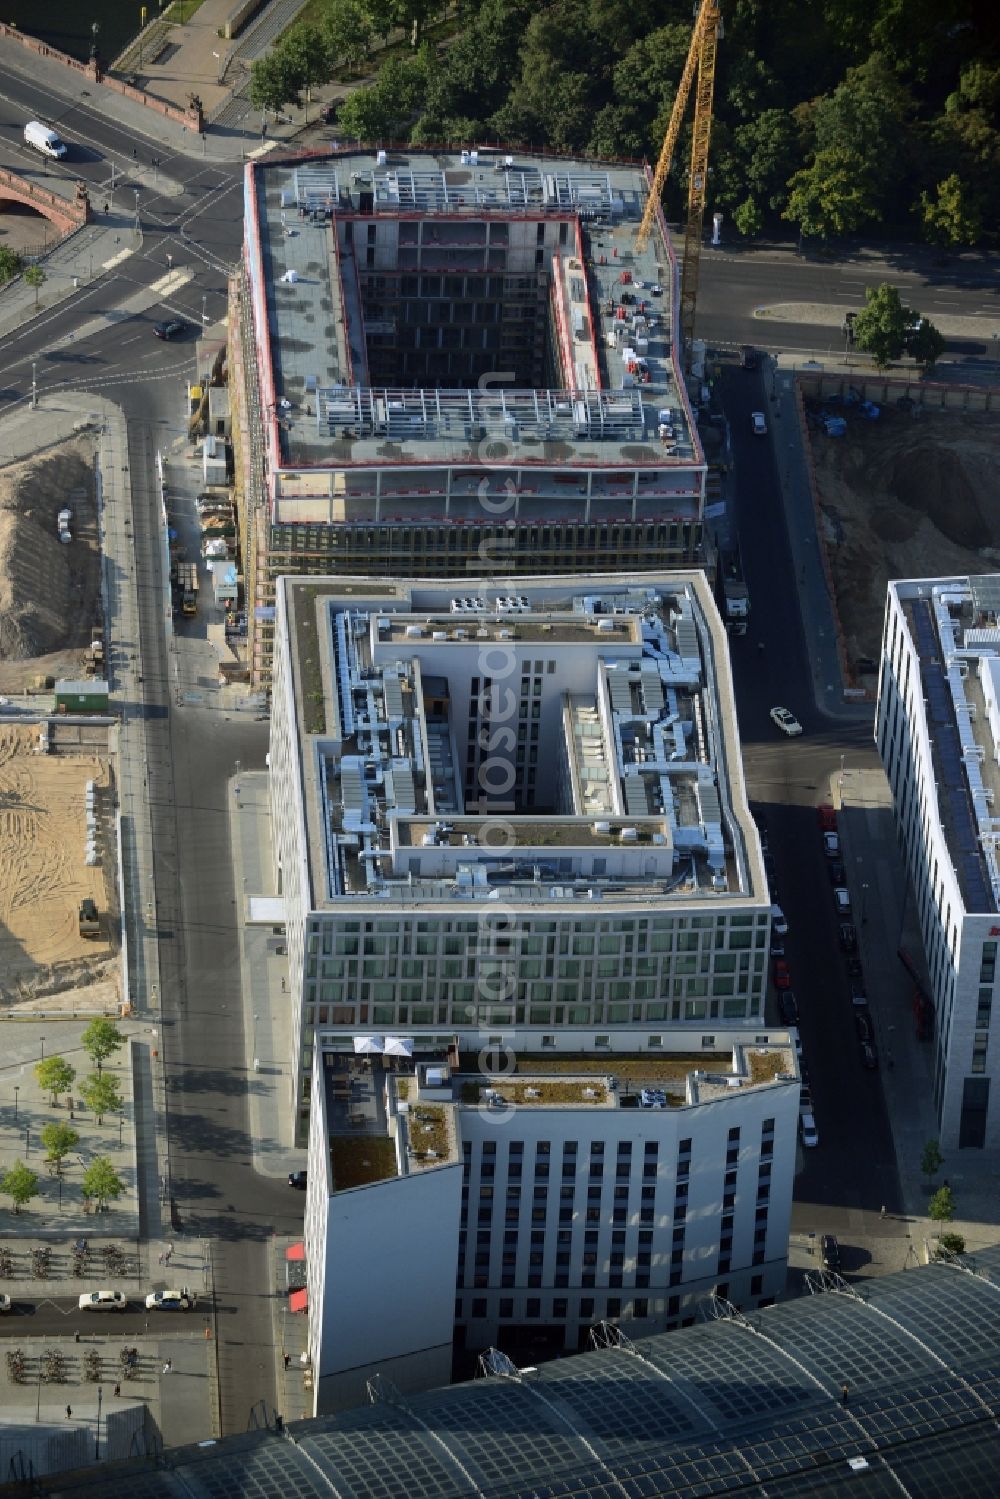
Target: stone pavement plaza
<point>25,1108</point>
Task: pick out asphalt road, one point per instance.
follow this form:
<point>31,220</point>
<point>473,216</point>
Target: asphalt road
<point>786,778</point>
<point>733,282</point>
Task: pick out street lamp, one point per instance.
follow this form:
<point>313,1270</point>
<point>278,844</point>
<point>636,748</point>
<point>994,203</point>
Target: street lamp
<point>27,1142</point>
<point>42,1041</point>
<point>34,386</point>
<point>97,1435</point>
<point>95,27</point>
<point>204,314</point>
<point>121,1125</point>
<point>17,1089</point>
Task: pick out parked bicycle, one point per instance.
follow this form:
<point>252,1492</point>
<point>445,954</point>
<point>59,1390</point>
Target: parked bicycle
<point>6,1261</point>
<point>15,1365</point>
<point>92,1364</point>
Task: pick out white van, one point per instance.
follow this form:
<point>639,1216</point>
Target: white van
<point>44,139</point>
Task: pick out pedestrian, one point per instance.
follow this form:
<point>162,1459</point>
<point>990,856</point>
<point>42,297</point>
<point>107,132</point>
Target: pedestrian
<point>882,1213</point>
<point>288,1359</point>
<point>107,208</point>
<point>843,1394</point>
<point>170,1364</point>
<point>69,1413</point>
<point>118,1389</point>
<point>135,154</point>
<point>170,260</point>
<point>76,1336</point>
<point>160,1260</point>
<point>167,1256</point>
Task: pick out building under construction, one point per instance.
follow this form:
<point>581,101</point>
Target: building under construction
<point>456,365</point>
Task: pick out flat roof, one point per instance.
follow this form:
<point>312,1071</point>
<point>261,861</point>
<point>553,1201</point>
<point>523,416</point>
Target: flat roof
<point>637,748</point>
<point>622,405</point>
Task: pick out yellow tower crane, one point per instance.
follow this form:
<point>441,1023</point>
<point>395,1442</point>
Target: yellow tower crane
<point>700,60</point>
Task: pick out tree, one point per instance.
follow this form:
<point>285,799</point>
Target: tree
<point>36,277</point>
<point>348,30</point>
<point>307,56</point>
<point>20,1184</point>
<point>101,1094</point>
<point>59,1139</point>
<point>882,325</point>
<point>748,218</point>
<point>833,195</point>
<point>101,1182</point>
<point>55,1075</point>
<point>924,343</point>
<point>931,1160</point>
<point>949,218</point>
<point>273,82</point>
<point>100,1039</point>
<point>10,264</point>
<point>942,1205</point>
<point>951,1243</point>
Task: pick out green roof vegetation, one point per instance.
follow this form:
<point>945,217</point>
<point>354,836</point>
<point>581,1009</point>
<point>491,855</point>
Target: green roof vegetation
<point>359,1160</point>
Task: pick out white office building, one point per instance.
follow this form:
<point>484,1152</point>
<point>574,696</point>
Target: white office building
<point>938,731</point>
<point>461,1201</point>
<point>518,811</point>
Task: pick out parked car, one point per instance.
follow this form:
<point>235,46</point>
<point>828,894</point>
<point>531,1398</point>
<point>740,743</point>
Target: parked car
<point>830,1251</point>
<point>808,1131</point>
<point>298,1179</point>
<point>805,1100</point>
<point>831,845</point>
<point>848,937</point>
<point>827,817</point>
<point>758,424</point>
<point>782,976</point>
<point>842,896</point>
<point>859,996</point>
<point>788,1007</point>
<point>786,721</point>
<point>836,871</point>
<point>652,1098</point>
<point>103,1301</point>
<point>777,945</point>
<point>5,1302</point>
<point>863,1025</point>
<point>869,1056</point>
<point>854,969</point>
<point>173,328</point>
<point>171,1301</point>
<point>778,922</point>
<point>748,357</point>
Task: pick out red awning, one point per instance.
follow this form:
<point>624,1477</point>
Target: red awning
<point>295,1252</point>
<point>298,1301</point>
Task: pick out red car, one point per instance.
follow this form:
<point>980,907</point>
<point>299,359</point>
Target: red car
<point>827,817</point>
<point>782,977</point>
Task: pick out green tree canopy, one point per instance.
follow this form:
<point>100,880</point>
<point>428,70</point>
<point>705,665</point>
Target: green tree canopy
<point>832,195</point>
<point>36,277</point>
<point>10,263</point>
<point>55,1075</point>
<point>274,82</point>
<point>20,1184</point>
<point>101,1182</point>
<point>100,1039</point>
<point>924,343</point>
<point>101,1094</point>
<point>348,30</point>
<point>881,327</point>
<point>931,1159</point>
<point>58,1139</point>
<point>306,53</point>
<point>942,1205</point>
<point>949,218</point>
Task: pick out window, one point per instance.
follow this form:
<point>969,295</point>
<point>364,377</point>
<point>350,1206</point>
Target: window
<point>479,1306</point>
<point>560,1307</point>
<point>756,1284</point>
<point>614,1306</point>
<point>533,1307</point>
<point>506,1306</point>
<point>586,1306</point>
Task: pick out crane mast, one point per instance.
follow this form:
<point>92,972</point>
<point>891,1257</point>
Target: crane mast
<point>700,62</point>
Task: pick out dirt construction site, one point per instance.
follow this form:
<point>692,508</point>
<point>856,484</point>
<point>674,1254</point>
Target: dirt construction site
<point>56,780</point>
<point>44,877</point>
<point>912,494</point>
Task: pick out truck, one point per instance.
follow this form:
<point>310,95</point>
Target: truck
<point>731,590</point>
<point>187,583</point>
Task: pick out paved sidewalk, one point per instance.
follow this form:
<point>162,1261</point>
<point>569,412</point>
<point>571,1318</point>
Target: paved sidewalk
<point>267,1003</point>
<point>886,921</point>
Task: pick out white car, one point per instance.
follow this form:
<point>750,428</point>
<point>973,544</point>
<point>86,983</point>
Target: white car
<point>171,1301</point>
<point>4,1303</point>
<point>758,424</point>
<point>103,1301</point>
<point>843,899</point>
<point>779,921</point>
<point>831,845</point>
<point>785,721</point>
<point>808,1131</point>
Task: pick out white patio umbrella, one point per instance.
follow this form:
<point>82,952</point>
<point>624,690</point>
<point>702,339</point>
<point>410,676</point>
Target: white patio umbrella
<point>368,1046</point>
<point>399,1046</point>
